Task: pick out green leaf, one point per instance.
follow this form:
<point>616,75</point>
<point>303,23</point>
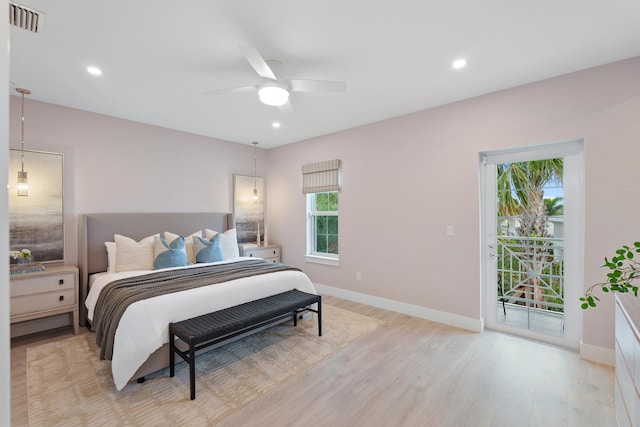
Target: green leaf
<point>605,289</point>
<point>585,306</point>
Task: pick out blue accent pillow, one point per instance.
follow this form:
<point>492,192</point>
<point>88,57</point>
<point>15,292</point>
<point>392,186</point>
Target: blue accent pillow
<point>169,254</point>
<point>208,250</point>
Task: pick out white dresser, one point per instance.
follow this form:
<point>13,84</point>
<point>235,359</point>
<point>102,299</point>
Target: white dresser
<point>627,387</point>
<point>267,252</point>
<point>45,293</point>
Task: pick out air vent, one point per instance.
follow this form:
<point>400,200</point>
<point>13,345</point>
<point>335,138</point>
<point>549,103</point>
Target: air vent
<point>26,18</point>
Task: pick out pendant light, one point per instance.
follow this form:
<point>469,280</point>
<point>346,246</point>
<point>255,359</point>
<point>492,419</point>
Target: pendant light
<point>255,184</point>
<point>23,182</point>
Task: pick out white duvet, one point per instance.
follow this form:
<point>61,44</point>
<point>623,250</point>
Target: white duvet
<point>144,326</point>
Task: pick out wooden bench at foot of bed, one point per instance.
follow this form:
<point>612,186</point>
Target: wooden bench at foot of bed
<point>213,328</point>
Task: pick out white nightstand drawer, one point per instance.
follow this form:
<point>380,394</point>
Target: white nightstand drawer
<point>43,301</point>
<point>266,252</point>
<point>273,252</point>
<point>46,283</point>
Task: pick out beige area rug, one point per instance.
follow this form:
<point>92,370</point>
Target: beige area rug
<point>68,385</point>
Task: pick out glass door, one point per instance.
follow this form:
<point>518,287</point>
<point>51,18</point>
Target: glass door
<point>532,240</point>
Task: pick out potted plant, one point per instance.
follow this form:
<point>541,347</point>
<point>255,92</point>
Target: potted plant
<point>624,270</point>
<point>22,256</point>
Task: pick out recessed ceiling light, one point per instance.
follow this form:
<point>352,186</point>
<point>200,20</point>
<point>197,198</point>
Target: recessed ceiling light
<point>94,70</point>
<point>459,63</point>
<point>275,124</point>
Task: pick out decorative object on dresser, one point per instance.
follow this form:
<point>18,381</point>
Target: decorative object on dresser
<point>46,293</point>
<point>37,222</point>
<point>264,251</point>
<point>25,262</point>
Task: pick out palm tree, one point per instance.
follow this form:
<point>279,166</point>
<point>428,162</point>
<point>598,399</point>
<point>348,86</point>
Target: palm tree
<point>554,206</point>
<point>521,195</point>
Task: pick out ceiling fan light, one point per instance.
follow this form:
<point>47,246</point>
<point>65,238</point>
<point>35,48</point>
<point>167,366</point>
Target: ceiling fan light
<point>273,95</point>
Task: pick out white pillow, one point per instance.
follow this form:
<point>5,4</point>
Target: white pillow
<point>111,256</point>
<point>132,255</point>
<point>229,242</point>
<point>188,240</point>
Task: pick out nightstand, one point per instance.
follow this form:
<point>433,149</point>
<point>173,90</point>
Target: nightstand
<point>45,293</point>
<point>266,252</point>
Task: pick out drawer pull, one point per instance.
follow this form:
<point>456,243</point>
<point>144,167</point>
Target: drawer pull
<point>250,255</point>
<point>274,251</point>
<point>61,298</point>
<point>61,282</point>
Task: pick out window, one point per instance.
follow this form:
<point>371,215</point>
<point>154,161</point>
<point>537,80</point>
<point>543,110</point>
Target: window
<point>322,227</point>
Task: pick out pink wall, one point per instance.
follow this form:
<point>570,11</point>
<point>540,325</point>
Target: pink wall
<point>407,178</point>
<point>115,165</point>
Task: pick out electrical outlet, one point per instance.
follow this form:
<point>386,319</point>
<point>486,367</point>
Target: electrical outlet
<point>358,276</point>
<point>449,230</point>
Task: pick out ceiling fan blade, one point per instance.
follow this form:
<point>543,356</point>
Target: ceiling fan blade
<point>231,90</point>
<point>257,62</point>
<point>317,86</point>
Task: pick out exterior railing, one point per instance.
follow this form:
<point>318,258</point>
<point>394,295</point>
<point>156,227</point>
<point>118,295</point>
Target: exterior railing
<point>531,272</point>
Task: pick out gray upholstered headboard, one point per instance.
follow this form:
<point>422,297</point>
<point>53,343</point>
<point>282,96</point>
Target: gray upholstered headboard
<point>95,229</point>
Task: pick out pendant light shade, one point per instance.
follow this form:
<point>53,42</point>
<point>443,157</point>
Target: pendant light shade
<point>23,182</point>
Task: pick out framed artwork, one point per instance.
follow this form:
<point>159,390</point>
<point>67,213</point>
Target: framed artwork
<point>36,221</point>
<point>248,213</point>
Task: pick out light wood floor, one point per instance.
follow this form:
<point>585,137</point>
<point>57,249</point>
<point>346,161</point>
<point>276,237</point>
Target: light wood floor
<point>412,372</point>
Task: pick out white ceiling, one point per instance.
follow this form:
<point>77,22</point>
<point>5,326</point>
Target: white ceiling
<point>158,56</point>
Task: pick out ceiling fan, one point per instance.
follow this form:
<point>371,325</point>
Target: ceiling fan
<point>274,89</point>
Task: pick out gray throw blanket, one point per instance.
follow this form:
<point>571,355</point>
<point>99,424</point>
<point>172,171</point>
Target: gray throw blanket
<point>118,295</point>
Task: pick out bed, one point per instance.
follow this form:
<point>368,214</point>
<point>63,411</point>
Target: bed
<point>140,344</point>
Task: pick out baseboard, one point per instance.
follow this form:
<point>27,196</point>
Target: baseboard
<point>594,353</point>
<point>456,320</point>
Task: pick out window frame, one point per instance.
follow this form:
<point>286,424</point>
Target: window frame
<point>311,255</point>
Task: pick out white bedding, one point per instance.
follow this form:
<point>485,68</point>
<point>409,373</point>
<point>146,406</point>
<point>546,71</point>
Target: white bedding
<point>144,327</point>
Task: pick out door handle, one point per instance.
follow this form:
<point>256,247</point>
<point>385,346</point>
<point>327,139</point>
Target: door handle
<point>492,254</point>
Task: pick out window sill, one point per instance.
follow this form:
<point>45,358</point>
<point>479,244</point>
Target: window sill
<point>322,260</point>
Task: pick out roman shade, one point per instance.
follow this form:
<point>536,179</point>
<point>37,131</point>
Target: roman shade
<point>321,176</point>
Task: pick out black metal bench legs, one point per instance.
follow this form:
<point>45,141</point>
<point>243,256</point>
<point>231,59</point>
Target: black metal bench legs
<point>223,325</point>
